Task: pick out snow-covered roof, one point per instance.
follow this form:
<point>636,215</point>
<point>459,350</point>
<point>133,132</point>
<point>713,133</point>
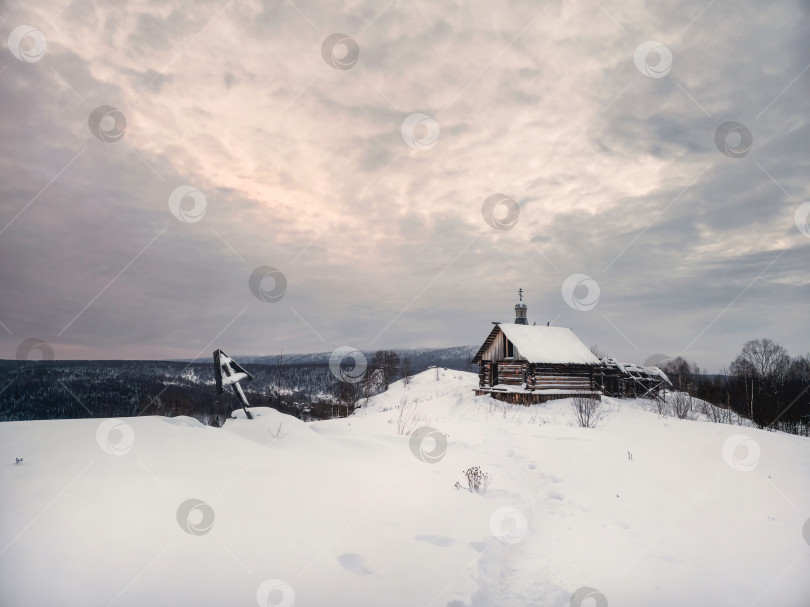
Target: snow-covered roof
<point>657,371</point>
<point>634,370</point>
<point>556,345</point>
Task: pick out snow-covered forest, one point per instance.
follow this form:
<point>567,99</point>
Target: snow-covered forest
<point>301,385</point>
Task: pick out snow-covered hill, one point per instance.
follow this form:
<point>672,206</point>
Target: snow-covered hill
<point>363,511</point>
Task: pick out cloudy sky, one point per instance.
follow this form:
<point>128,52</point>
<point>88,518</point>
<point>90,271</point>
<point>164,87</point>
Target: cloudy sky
<point>639,169</point>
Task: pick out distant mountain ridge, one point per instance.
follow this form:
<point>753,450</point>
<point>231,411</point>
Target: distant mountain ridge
<point>419,359</point>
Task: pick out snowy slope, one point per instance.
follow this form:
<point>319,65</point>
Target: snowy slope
<point>343,512</point>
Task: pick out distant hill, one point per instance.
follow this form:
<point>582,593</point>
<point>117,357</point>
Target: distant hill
<point>419,359</point>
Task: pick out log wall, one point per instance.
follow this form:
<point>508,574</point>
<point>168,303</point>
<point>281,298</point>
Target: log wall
<point>561,377</point>
<point>511,374</point>
<point>485,373</point>
<point>536,376</point>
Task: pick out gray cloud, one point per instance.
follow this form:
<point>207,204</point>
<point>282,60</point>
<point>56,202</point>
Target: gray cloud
<point>304,169</point>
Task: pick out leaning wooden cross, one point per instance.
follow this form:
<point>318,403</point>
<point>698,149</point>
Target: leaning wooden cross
<point>228,372</point>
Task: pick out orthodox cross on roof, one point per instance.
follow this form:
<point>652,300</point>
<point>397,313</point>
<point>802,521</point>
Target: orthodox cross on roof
<point>520,293</point>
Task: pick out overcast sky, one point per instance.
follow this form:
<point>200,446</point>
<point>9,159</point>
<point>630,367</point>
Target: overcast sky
<point>659,151</point>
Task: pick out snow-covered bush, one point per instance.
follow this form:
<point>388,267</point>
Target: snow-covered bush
<point>660,406</point>
<point>406,421</point>
<point>477,480</point>
<point>681,403</point>
<point>587,411</point>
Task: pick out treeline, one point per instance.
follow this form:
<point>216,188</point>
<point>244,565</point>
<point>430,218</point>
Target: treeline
<point>76,389</point>
<point>79,389</point>
<point>763,383</point>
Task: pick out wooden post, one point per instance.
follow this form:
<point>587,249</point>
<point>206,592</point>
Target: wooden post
<point>240,395</point>
<point>228,372</point>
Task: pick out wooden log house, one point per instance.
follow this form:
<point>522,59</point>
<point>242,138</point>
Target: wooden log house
<point>525,364</point>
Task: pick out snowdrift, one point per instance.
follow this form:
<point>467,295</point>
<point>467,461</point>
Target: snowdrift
<point>641,510</point>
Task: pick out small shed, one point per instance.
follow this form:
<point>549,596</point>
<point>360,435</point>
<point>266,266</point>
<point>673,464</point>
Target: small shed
<point>626,380</point>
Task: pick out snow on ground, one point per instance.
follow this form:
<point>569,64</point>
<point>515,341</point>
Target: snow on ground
<point>344,512</point>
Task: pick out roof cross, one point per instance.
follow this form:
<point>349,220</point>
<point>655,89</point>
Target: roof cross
<point>520,293</point>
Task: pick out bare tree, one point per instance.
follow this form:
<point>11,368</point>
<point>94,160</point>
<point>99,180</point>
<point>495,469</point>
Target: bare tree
<point>279,363</point>
<point>368,382</point>
<point>761,357</point>
<point>598,352</point>
<point>587,410</point>
<point>405,371</point>
<point>347,396</point>
<point>407,416</point>
<point>761,365</point>
<point>712,412</point>
<point>678,370</point>
<point>800,368</point>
